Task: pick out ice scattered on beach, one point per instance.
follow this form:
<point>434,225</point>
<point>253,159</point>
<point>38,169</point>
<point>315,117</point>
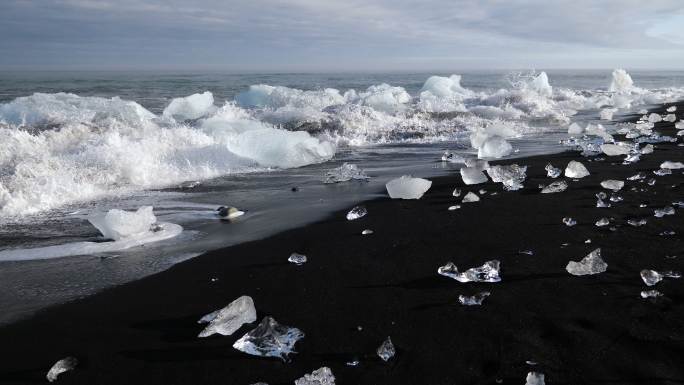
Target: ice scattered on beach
<point>534,378</point>
<point>662,172</point>
<point>456,192</point>
<point>356,213</point>
<point>321,376</point>
<point>344,173</point>
<point>470,197</point>
<point>367,232</point>
<point>671,109</point>
<point>489,272</point>
<point>636,222</point>
<point>269,339</point>
<point>297,259</point>
<point>118,224</point>
<point>511,176</point>
<point>555,187</point>
<point>190,107</point>
<point>407,187</point>
<point>473,300</point>
<point>472,175</point>
<point>672,165</point>
<point>612,184</point>
<point>386,350</point>
<point>494,147</point>
<point>652,277</point>
<point>651,294</point>
<point>659,213</point>
<point>552,172</point>
<point>454,207</point>
<point>591,264</point>
<point>603,222</point>
<point>229,319</point>
<point>61,366</point>
<point>614,149</point>
<point>569,221</point>
<point>576,170</point>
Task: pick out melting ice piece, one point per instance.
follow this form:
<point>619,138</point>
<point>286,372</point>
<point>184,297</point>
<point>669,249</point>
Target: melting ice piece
<point>638,176</point>
<point>651,294</point>
<point>647,149</point>
<point>614,149</point>
<point>118,224</point>
<point>456,192</point>
<point>612,184</point>
<point>229,319</point>
<point>569,221</point>
<point>494,147</point>
<point>322,376</point>
<point>356,213</point>
<point>534,378</point>
<point>472,175</point>
<point>472,300</point>
<point>61,366</point>
<point>670,118</point>
<point>344,173</point>
<point>470,197</point>
<point>615,198</point>
<point>671,109</point>
<point>575,129</point>
<point>603,222</point>
<point>651,277</point>
<point>489,272</point>
<point>591,264</point>
<point>555,187</point>
<point>672,165</point>
<point>576,170</point>
<point>386,350</point>
<point>367,232</point>
<point>512,176</point>
<point>454,207</point>
<point>655,118</point>
<point>601,203</point>
<point>297,259</point>
<point>636,222</point>
<point>407,187</point>
<point>669,210</point>
<point>552,172</point>
<point>663,172</point>
<point>269,339</point>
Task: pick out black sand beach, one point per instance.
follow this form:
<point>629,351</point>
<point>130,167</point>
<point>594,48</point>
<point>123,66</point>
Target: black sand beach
<point>356,290</point>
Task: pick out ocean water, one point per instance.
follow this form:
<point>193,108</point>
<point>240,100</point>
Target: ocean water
<point>76,144</point>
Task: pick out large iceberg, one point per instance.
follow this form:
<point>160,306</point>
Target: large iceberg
<point>321,376</point>
<point>407,187</point>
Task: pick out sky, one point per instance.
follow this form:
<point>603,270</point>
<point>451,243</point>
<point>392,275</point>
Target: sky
<point>339,35</point>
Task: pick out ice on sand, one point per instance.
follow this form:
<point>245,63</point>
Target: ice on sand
<point>269,339</point>
<point>651,294</point>
<point>651,277</point>
<point>614,149</point>
<point>555,187</point>
<point>636,222</point>
<point>470,197</point>
<point>229,319</point>
<point>472,175</point>
<point>472,300</point>
<point>407,187</point>
<point>228,212</point>
<point>322,376</point>
<point>386,350</point>
<point>612,184</point>
<point>575,129</point>
<point>344,173</point>
<point>569,221</point>
<point>494,147</point>
<point>534,378</point>
<point>512,176</point>
<point>591,264</point>
<point>552,172</point>
<point>672,165</point>
<point>671,109</point>
<point>456,192</point>
<point>576,170</point>
<point>367,232</point>
<point>297,259</point>
<point>118,224</point>
<point>61,366</point>
<point>669,210</point>
<point>663,172</point>
<point>603,222</point>
<point>356,213</point>
<point>489,272</point>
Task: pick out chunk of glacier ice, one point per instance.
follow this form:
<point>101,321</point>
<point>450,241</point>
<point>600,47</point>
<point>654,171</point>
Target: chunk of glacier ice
<point>321,376</point>
<point>472,300</point>
<point>555,187</point>
<point>552,172</point>
<point>655,118</point>
<point>614,149</point>
<point>651,294</point>
<point>190,107</point>
<point>456,192</point>
<point>344,173</point>
<point>591,264</point>
<point>603,222</point>
<point>534,378</point>
<point>651,277</point>
<point>470,197</point>
<point>569,221</point>
<point>229,319</point>
<point>494,147</point>
<point>269,339</point>
<point>489,272</point>
<point>576,170</point>
<point>407,187</point>
<point>367,232</point>
<point>61,366</point>
<point>356,213</point>
<point>118,224</point>
<point>612,184</point>
<point>669,210</point>
<point>511,176</point>
<point>297,259</point>
<point>671,109</point>
<point>472,175</point>
<point>636,222</point>
<point>386,350</point>
<point>672,165</point>
<point>575,129</point>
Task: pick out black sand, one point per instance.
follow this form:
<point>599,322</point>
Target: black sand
<point>579,330</point>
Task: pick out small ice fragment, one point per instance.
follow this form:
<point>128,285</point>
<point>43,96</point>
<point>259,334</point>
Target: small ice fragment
<point>229,212</point>
<point>344,173</point>
<point>470,197</point>
<point>670,118</point>
<point>636,222</point>
<point>614,149</point>
<point>591,264</point>
<point>489,272</point>
<point>651,277</point>
<point>297,259</point>
<point>61,366</point>
<point>603,222</point>
<point>587,241</point>
<point>527,252</point>
<point>679,204</point>
<point>512,176</point>
<point>651,182</point>
<point>269,339</point>
<point>575,129</point>
<point>555,187</point>
<point>534,378</point>
<point>407,187</point>
<point>569,221</point>
<point>672,165</point>
<point>482,191</point>
<point>552,172</point>
<point>322,376</point>
<point>601,203</point>
<point>669,210</point>
<point>663,172</point>
<point>386,350</point>
<point>476,299</point>
<point>353,362</point>
<point>356,213</point>
<point>615,198</point>
<point>456,192</point>
<point>667,233</point>
<point>367,232</point>
<point>447,156</point>
<point>612,184</point>
<point>454,207</point>
<point>643,205</point>
<point>651,294</point>
<point>671,109</point>
<point>576,170</point>
<point>229,319</point>
<point>647,149</point>
<point>638,176</point>
<point>472,175</point>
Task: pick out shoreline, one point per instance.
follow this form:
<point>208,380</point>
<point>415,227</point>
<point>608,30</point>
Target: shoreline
<point>577,329</point>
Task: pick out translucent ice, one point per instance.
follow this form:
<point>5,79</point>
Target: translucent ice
<point>672,165</point>
<point>407,187</point>
<point>454,207</point>
<point>472,300</point>
<point>647,149</point>
<point>534,378</point>
<point>663,172</point>
<point>61,366</point>
<point>669,210</point>
<point>229,319</point>
<point>651,294</point>
<point>552,172</point>
<point>472,175</point>
<point>576,170</point>
<point>655,118</point>
<point>612,184</point>
<point>456,192</point>
<point>386,350</point>
<point>651,277</point>
<point>601,203</point>
<point>591,264</point>
<point>367,232</point>
<point>614,149</point>
<point>356,213</point>
<point>569,221</point>
<point>670,118</point>
<point>269,339</point>
<point>190,107</point>
<point>621,82</point>
<point>117,224</point>
<point>575,129</point>
<point>603,222</point>
<point>470,197</point>
<point>494,147</point>
<point>345,172</point>
<point>555,187</point>
<point>297,259</point>
<point>489,272</point>
<point>671,109</point>
<point>322,376</point>
<point>607,113</point>
<point>636,222</point>
<point>512,176</point>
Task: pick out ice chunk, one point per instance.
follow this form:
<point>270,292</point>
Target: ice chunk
<point>534,378</point>
<point>454,207</point>
<point>670,118</point>
<point>190,107</point>
<point>576,170</point>
<point>229,319</point>
<point>367,232</point>
<point>269,339</point>
<point>603,222</point>
<point>669,210</point>
<point>470,197</point>
<point>614,149</point>
<point>621,82</point>
<point>575,129</point>
<point>476,299</point>
<point>386,350</point>
<point>591,264</point>
<point>407,187</point>
<point>663,172</point>
<point>118,224</point>
<point>322,376</point>
<point>569,221</point>
<point>479,164</point>
<point>61,366</point>
<point>647,149</point>
<point>654,118</point>
<point>356,213</point>
<point>494,147</point>
<point>456,192</point>
<point>612,184</point>
<point>607,113</point>
<point>297,259</point>
<point>555,187</point>
<point>651,294</point>
<point>671,109</point>
<point>489,272</point>
<point>651,277</point>
<point>672,165</point>
<point>601,203</point>
<point>512,176</point>
<point>636,222</point>
<point>472,175</point>
<point>552,172</point>
<point>344,173</point>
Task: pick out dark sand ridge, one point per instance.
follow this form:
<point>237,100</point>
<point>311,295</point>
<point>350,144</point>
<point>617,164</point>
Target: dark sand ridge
<point>580,330</point>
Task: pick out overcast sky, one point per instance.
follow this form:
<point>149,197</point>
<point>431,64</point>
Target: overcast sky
<point>340,35</point>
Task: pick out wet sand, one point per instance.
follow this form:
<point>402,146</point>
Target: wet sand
<point>356,290</point>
